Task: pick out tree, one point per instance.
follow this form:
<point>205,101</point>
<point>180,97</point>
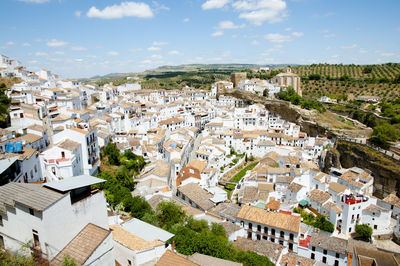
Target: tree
<point>364,231</point>
<point>169,213</point>
<point>137,206</point>
<point>383,134</point>
<point>112,153</point>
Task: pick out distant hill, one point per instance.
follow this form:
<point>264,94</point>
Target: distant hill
<point>180,69</point>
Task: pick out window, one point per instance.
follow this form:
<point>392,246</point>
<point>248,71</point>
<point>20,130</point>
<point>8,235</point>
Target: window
<point>1,242</point>
<point>1,220</point>
<point>36,241</point>
<point>35,168</point>
<point>375,226</point>
<point>31,211</point>
<point>265,230</point>
<point>62,154</point>
<point>250,226</point>
<point>325,251</point>
<point>324,259</point>
<point>272,231</point>
<point>312,256</point>
<point>291,236</point>
<point>282,234</point>
<point>265,237</point>
<point>273,240</point>
<point>337,255</point>
<point>290,246</point>
<point>249,235</point>
<point>313,248</point>
<point>350,230</point>
<point>336,263</point>
<point>281,242</point>
<point>259,228</point>
<point>129,262</point>
<point>258,237</point>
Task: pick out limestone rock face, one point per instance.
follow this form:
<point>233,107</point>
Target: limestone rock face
<point>385,171</point>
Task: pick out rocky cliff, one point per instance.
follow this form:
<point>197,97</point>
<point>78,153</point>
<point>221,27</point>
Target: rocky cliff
<point>386,171</point>
<point>310,121</point>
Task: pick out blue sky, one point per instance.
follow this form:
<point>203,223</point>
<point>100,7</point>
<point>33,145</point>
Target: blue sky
<point>82,38</point>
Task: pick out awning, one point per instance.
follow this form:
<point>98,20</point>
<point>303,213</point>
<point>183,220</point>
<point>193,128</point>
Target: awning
<point>303,203</point>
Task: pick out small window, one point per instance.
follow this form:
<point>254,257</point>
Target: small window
<point>325,251</point>
<point>324,259</point>
<point>312,256</point>
<point>313,248</point>
<point>336,263</point>
<point>1,220</point>
<point>337,255</point>
<point>36,241</point>
<point>129,262</point>
<point>31,211</point>
<point>375,226</point>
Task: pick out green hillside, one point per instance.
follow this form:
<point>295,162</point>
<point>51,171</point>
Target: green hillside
<point>383,73</point>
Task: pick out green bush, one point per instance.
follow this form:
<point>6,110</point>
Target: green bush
<point>364,231</point>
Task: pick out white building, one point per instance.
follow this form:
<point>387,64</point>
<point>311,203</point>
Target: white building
<point>139,243</point>
<point>276,227</point>
<point>90,150</point>
<point>48,216</point>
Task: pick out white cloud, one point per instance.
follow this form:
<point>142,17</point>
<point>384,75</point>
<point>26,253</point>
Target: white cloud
<point>362,51</point>
<point>288,29</point>
<point>159,43</point>
<point>147,61</point>
<point>26,44</point>
<point>79,60</point>
<point>78,48</point>
<point>255,43</point>
<point>34,1</point>
<point>217,33</point>
<point>11,43</point>
<point>113,53</point>
<point>349,46</point>
<point>186,20</point>
<point>59,53</point>
<point>227,24</point>
<point>298,34</point>
<point>78,13</point>
<point>386,54</point>
<point>174,52</point>
<point>211,4</point>
<point>154,48</point>
<point>32,62</point>
<point>330,35</point>
<point>56,43</point>
<point>41,54</point>
<point>125,9</point>
<point>277,38</point>
<point>258,11</point>
<point>159,7</point>
<point>133,50</point>
<point>156,56</point>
